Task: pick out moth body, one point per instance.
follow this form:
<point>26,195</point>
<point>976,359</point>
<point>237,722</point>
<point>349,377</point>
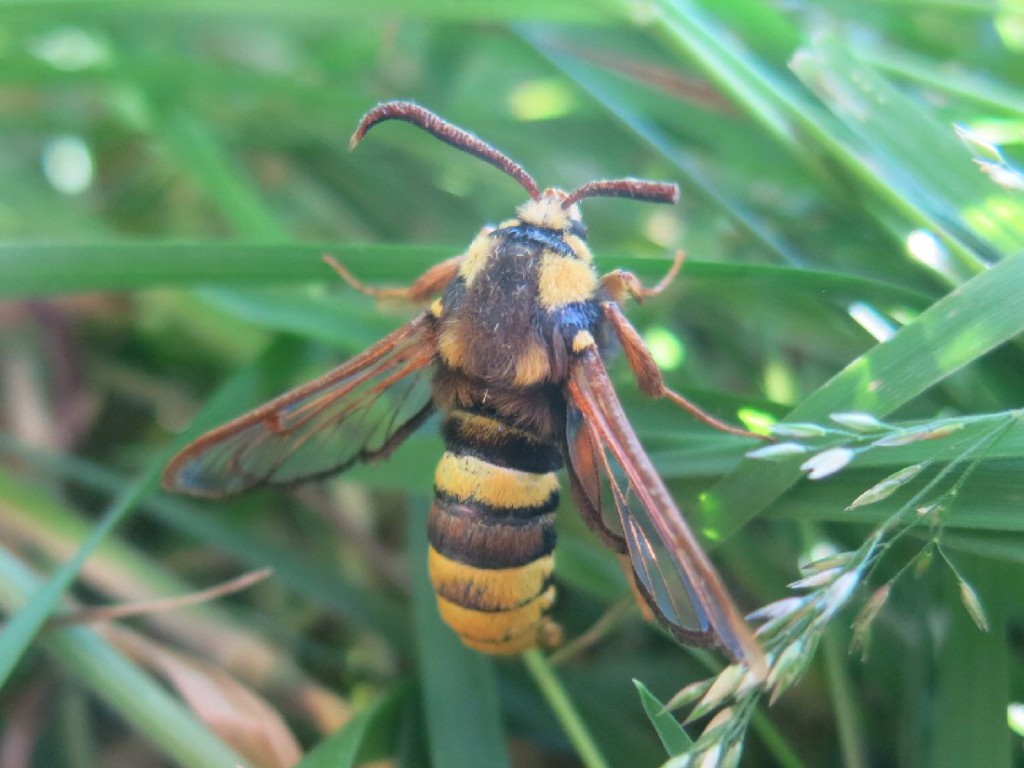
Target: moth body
<point>506,327</point>
<point>511,355</point>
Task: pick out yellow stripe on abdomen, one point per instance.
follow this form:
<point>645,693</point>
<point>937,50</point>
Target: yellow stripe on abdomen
<point>489,589</point>
<point>503,631</point>
<point>468,478</point>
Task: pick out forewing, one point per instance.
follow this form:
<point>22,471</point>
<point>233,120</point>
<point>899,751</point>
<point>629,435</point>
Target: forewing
<point>613,474</point>
<point>359,411</point>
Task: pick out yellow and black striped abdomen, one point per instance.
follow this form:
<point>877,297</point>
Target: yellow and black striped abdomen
<point>492,533</point>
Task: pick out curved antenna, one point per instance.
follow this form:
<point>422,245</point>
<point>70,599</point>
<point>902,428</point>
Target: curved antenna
<point>446,132</point>
<point>634,189</point>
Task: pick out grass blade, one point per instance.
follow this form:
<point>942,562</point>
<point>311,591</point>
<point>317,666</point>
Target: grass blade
<point>957,330</point>
<point>464,724</point>
<point>671,733</point>
<point>132,693</point>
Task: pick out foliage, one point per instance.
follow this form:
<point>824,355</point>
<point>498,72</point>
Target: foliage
<point>851,211</point>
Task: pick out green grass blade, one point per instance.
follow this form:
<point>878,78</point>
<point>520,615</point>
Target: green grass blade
<point>132,693</point>
<point>918,157</point>
<point>565,710</point>
<point>970,706</point>
<point>318,13</point>
<point>793,120</point>
<point>234,192</point>
<point>962,83</point>
<point>26,624</point>
<point>321,584</point>
<point>33,270</point>
<point>694,178</point>
<point>464,724</point>
<point>957,330</point>
<point>671,733</point>
<point>342,749</point>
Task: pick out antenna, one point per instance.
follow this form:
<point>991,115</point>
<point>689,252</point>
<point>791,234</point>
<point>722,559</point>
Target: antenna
<point>634,189</point>
<point>446,132</point>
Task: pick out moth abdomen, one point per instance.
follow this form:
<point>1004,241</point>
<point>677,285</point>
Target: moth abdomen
<point>492,532</point>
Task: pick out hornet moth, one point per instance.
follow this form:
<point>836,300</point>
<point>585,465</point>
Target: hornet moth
<point>511,354</point>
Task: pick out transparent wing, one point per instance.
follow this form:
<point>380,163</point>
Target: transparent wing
<point>614,479</point>
<point>360,411</point>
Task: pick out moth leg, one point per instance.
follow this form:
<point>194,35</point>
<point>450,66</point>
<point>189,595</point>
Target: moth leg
<point>426,286</point>
<point>648,375</point>
<point>622,285</point>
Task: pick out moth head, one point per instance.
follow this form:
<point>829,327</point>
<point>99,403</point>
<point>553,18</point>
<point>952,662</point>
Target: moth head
<point>550,212</point>
<point>560,210</point>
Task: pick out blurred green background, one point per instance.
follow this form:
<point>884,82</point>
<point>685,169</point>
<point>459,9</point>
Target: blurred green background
<point>170,176</point>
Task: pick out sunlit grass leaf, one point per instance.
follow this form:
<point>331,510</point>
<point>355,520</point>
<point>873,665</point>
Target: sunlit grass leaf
<point>777,451</point>
<point>858,422</point>
<point>828,462</point>
<point>725,685</point>
<point>863,624</point>
<point>885,488</point>
<point>952,333</point>
<point>973,605</point>
<point>909,436</point>
<point>921,157</point>
<point>1015,718</point>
